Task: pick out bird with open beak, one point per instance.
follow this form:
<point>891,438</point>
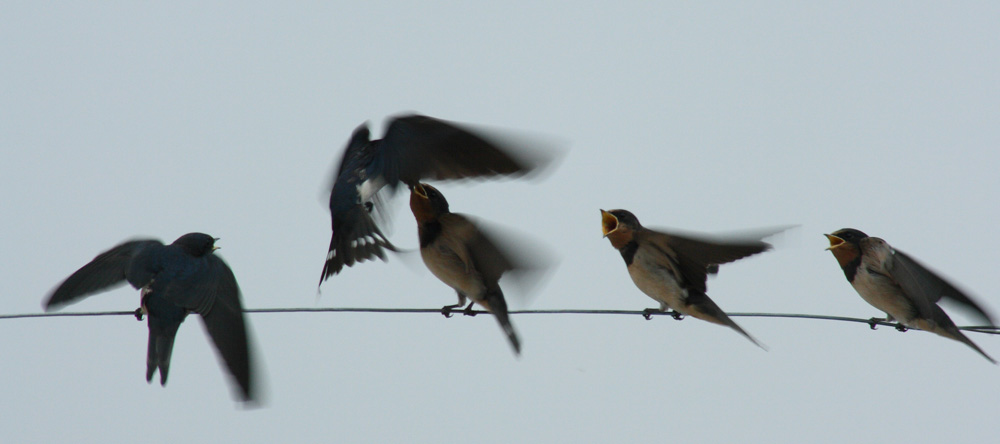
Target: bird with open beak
<point>895,283</point>
<point>413,148</point>
<point>458,252</point>
<point>673,269</point>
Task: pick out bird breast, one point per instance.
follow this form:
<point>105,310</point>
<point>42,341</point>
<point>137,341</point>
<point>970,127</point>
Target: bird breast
<point>883,293</point>
<point>447,266</point>
<point>656,281</point>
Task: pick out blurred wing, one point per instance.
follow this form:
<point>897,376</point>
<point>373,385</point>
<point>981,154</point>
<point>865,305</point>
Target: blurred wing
<point>354,150</point>
<point>356,238</point>
<point>926,288</point>
<point>213,293</point>
<point>106,270</point>
<point>494,252</point>
<point>697,257</point>
<point>419,148</point>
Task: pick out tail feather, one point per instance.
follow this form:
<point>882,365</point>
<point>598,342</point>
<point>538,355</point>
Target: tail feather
<point>956,334</point>
<point>498,306</point>
<point>706,309</point>
<point>159,349</point>
<point>942,325</point>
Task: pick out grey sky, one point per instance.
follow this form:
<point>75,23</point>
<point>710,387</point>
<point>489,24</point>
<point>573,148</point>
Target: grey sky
<point>121,120</point>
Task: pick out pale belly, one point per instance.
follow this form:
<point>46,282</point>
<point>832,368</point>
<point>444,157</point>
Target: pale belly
<point>884,295</point>
<point>658,283</point>
<point>446,266</point>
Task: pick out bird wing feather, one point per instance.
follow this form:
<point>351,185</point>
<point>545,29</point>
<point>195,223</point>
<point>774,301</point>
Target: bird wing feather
<point>106,270</point>
<point>925,287</point>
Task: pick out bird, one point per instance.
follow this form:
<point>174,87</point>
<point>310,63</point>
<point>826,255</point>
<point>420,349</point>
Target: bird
<point>673,269</point>
<point>174,280</point>
<point>898,285</point>
<point>414,148</point>
<point>461,254</point>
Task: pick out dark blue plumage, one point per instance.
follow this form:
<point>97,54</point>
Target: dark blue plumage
<point>174,280</point>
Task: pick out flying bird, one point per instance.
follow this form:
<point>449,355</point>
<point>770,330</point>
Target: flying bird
<point>173,280</point>
<point>897,284</point>
<point>673,269</point>
<point>459,253</point>
<point>414,148</point>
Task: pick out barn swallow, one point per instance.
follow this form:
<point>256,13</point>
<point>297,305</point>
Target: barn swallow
<point>672,269</point>
<point>895,283</point>
<point>173,280</point>
<point>460,254</point>
<point>414,148</point>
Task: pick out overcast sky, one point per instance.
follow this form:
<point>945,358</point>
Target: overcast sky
<point>127,119</point>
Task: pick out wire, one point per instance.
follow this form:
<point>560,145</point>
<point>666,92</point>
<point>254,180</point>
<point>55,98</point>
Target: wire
<point>872,323</point>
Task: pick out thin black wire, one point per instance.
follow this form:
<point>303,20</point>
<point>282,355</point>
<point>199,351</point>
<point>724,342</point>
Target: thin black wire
<point>870,322</point>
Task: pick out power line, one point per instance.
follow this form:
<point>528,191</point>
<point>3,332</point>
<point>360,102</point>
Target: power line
<point>872,323</point>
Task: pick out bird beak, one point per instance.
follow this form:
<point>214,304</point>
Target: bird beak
<point>419,189</point>
<point>215,247</point>
<point>609,223</point>
<point>834,241</point>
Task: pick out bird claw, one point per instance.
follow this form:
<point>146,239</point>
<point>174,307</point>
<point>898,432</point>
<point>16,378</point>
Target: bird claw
<point>469,311</point>
<point>648,313</point>
<point>873,324</point>
<point>677,315</point>
<point>901,328</point>
<point>446,310</point>
<point>139,313</point>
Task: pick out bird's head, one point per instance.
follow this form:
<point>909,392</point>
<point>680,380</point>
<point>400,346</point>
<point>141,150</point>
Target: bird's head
<point>845,244</point>
<point>426,202</point>
<point>618,226</point>
<point>197,244</point>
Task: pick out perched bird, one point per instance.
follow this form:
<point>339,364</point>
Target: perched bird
<point>672,269</point>
<point>414,148</point>
<point>461,255</point>
<point>174,280</point>
<point>895,283</point>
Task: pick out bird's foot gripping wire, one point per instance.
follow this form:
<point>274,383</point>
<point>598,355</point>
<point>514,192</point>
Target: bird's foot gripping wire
<point>649,312</point>
<point>901,328</point>
<point>447,309</point>
<point>139,312</point>
<point>873,322</point>
<point>469,311</point>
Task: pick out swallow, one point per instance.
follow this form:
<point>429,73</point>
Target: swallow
<point>459,253</point>
<point>673,269</point>
<point>897,284</point>
<point>173,280</point>
<point>414,148</point>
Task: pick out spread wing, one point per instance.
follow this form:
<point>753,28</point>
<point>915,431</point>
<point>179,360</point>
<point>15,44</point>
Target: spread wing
<point>419,148</point>
<point>356,238</point>
<point>211,291</point>
<point>695,258</point>
<point>107,270</point>
<point>926,287</point>
<point>493,252</point>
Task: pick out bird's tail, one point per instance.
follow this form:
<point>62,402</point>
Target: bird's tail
<point>706,309</point>
<point>498,306</point>
<point>952,332</point>
<point>965,340</point>
<point>943,325</point>
<point>161,345</point>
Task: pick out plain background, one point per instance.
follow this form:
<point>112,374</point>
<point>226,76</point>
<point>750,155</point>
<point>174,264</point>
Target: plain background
<point>124,119</point>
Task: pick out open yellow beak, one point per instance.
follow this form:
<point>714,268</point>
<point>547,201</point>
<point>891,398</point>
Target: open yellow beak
<point>609,223</point>
<point>419,189</point>
<point>834,241</point>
